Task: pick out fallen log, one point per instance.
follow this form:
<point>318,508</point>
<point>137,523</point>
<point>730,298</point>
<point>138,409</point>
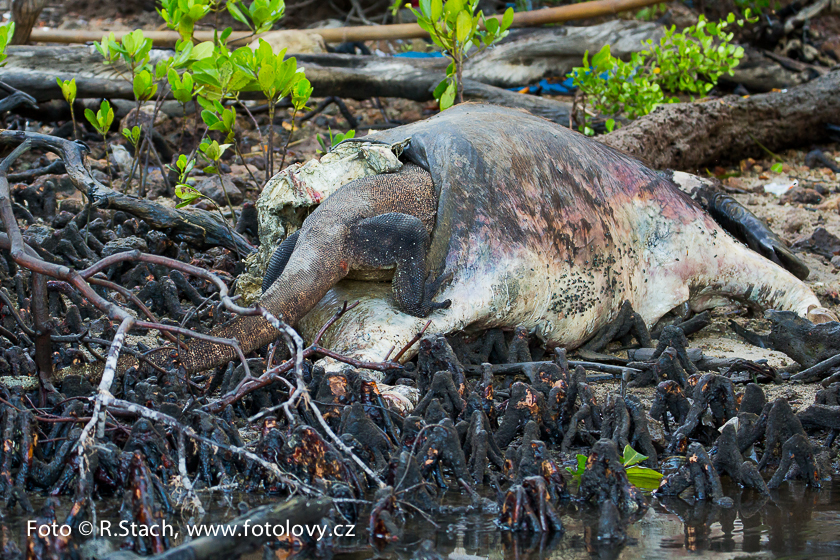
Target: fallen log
<point>691,136</point>
<point>526,56</point>
<point>32,69</point>
<point>761,71</point>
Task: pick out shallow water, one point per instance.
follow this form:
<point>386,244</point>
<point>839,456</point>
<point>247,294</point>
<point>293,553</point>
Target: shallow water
<point>794,522</point>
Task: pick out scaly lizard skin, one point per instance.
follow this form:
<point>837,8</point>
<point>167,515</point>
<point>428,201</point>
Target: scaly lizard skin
<point>372,222</point>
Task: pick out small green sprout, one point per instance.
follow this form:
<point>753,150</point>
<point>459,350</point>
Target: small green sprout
<point>68,90</point>
<point>102,121</point>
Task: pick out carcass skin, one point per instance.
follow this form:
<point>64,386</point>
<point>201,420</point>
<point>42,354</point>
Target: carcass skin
<point>542,227</point>
<point>535,225</point>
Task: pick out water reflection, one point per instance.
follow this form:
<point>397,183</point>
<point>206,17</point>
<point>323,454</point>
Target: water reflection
<point>793,521</point>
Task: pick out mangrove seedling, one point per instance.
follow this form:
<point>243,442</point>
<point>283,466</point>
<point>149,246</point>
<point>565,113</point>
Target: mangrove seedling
<point>68,90</point>
<point>212,152</point>
<point>190,195</point>
<point>455,27</point>
<point>276,79</point>
<point>182,88</point>
<point>337,138</point>
<point>300,95</point>
<point>101,121</point>
<point>132,135</point>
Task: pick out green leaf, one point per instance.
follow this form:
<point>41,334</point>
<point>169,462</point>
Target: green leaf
<point>507,19</point>
<point>68,89</point>
<point>142,81</point>
<point>132,134</point>
<point>426,8</point>
<point>463,27</point>
<point>776,168</point>
<point>447,99</point>
<point>91,117</point>
<point>441,87</point>
<point>202,50</point>
<point>187,193</point>
<point>209,118</point>
<point>266,78</point>
<point>581,462</point>
<point>644,478</point>
<point>301,94</point>
<point>610,124</point>
<point>435,10</point>
<point>237,13</point>
<point>631,457</point>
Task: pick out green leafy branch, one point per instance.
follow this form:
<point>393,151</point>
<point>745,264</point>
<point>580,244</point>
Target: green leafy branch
<point>691,61</point>
<point>455,28</point>
<point>102,121</point>
<point>6,33</point>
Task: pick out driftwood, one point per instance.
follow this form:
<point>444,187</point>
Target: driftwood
<point>197,227</point>
<point>817,372</point>
<point>529,55</point>
<point>762,71</point>
<point>32,69</point>
<point>690,136</point>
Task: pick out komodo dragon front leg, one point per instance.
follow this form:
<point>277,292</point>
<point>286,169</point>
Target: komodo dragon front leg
<point>373,222</point>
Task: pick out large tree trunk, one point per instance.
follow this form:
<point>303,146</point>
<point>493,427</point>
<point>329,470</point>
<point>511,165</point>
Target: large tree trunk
<point>691,136</point>
<point>25,15</point>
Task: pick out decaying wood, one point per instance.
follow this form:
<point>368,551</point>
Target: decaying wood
<point>762,71</point>
<point>533,18</point>
<point>32,69</point>
<point>529,55</point>
<point>195,226</point>
<point>691,136</point>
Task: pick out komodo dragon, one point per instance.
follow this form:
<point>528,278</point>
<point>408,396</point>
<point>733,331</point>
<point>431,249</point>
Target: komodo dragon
<point>516,221</point>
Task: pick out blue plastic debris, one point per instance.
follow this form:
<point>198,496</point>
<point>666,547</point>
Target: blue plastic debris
<point>415,54</point>
<point>566,87</point>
